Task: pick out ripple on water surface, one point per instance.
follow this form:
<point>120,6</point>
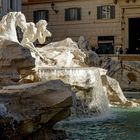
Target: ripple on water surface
<point>121,124</point>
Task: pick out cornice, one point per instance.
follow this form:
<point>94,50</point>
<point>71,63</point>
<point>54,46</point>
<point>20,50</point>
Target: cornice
<point>33,2</point>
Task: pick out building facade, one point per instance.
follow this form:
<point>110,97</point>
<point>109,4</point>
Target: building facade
<point>107,24</point>
<point>9,6</point>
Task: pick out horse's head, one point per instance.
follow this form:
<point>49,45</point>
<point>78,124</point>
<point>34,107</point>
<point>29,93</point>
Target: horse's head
<point>21,20</point>
<point>8,26</point>
<point>8,23</point>
<point>8,19</point>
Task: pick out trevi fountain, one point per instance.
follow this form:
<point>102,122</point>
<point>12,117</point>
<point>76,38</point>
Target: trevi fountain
<point>51,92</point>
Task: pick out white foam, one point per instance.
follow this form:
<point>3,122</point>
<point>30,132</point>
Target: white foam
<point>95,118</point>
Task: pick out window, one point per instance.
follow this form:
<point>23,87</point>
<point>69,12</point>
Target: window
<point>105,12</point>
<point>13,5</point>
<point>72,14</point>
<point>40,14</point>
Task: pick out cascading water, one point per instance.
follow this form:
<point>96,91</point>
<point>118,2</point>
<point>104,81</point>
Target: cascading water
<point>90,97</point>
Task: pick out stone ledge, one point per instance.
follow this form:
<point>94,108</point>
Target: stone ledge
<point>26,108</point>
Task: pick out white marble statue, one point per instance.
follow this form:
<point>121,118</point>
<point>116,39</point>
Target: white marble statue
<point>35,32</point>
<point>29,35</point>
<point>42,31</point>
<point>31,32</point>
<point>9,23</point>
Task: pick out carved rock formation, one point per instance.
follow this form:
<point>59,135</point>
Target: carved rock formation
<point>114,91</point>
<point>65,53</point>
<point>26,108</point>
<point>13,59</point>
<point>85,81</point>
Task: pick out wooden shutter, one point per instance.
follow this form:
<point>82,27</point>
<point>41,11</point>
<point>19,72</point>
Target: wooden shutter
<point>66,14</point>
<point>46,15</point>
<point>78,13</point>
<point>112,12</point>
<point>35,16</point>
<point>99,12</point>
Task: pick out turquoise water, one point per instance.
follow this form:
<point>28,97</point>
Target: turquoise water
<point>119,124</point>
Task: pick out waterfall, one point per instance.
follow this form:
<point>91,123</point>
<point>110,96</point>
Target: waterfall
<point>90,97</point>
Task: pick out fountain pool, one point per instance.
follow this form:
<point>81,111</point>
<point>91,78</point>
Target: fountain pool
<point>119,124</point>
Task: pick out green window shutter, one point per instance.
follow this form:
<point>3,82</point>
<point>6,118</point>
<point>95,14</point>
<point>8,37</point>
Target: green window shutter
<point>99,12</point>
<point>66,14</point>
<point>47,15</point>
<point>78,13</point>
<point>112,12</point>
<point>35,16</point>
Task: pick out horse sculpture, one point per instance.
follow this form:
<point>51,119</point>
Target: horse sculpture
<point>35,32</point>
<point>9,23</point>
<point>31,32</point>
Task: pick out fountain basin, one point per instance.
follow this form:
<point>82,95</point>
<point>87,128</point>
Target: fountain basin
<point>121,124</point>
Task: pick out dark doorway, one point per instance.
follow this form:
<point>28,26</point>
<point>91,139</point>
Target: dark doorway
<point>105,45</point>
<point>134,36</point>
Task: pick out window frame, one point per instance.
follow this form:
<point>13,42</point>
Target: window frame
<point>36,13</point>
<point>110,14</point>
<point>73,14</point>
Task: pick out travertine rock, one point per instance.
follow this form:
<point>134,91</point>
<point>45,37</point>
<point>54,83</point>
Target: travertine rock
<point>86,81</point>
<point>114,91</point>
<point>13,58</point>
<point>127,73</point>
<point>26,108</point>
<point>65,53</point>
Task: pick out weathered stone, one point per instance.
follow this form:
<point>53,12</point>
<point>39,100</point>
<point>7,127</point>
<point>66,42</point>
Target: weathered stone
<point>65,53</point>
<point>127,73</point>
<point>86,81</point>
<point>114,92</point>
<point>26,108</point>
<point>13,58</point>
